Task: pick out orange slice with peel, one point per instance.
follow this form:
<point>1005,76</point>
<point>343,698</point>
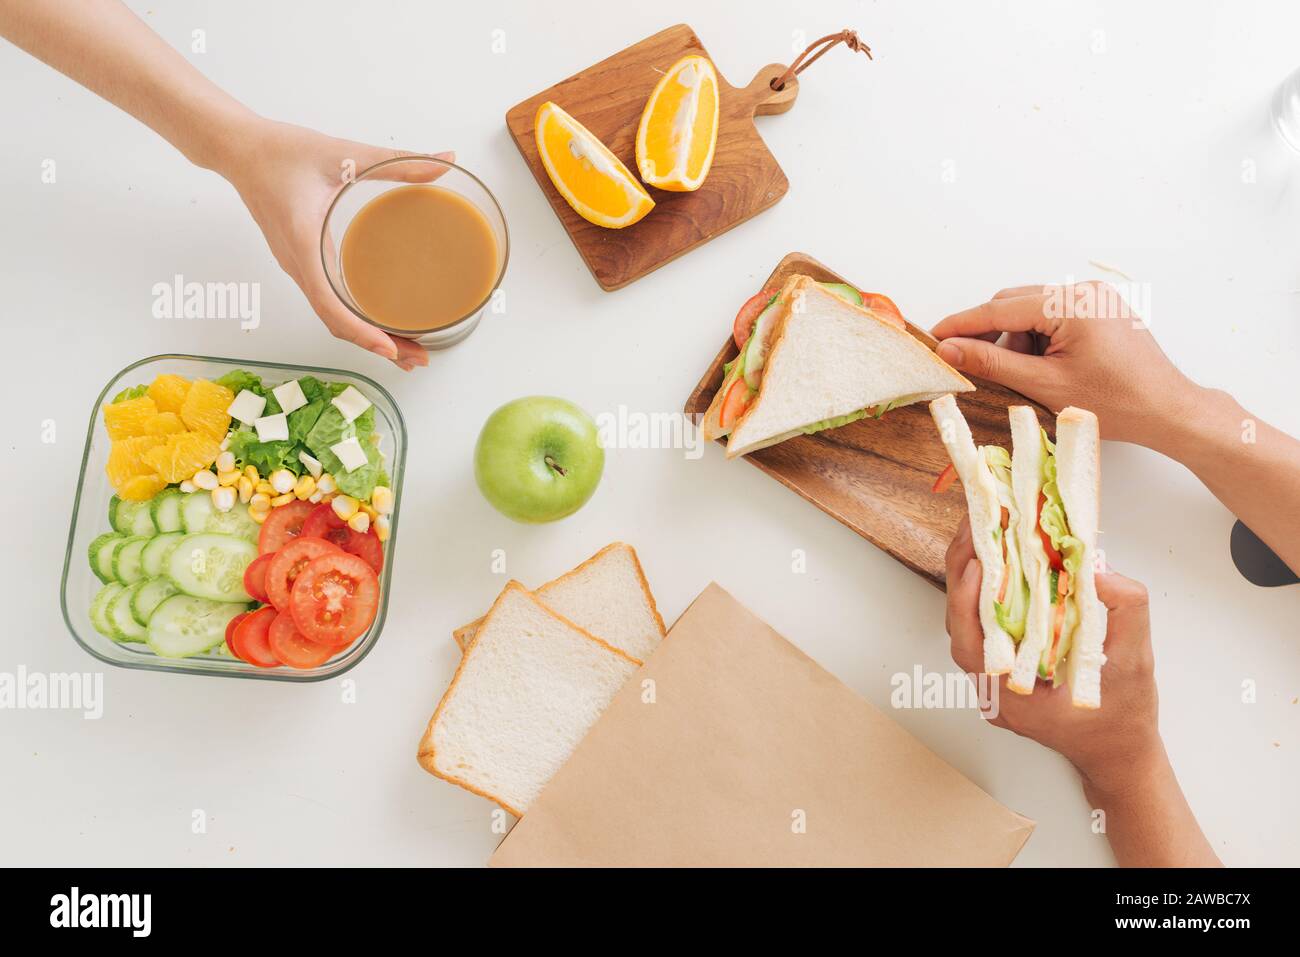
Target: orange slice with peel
<point>590,178</point>
<point>678,133</point>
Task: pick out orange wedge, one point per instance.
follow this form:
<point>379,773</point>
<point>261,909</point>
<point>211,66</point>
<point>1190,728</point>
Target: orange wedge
<point>589,177</point>
<point>679,127</point>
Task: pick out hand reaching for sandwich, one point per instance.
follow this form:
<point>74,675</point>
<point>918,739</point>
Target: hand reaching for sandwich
<point>1116,748</point>
<point>1075,345</point>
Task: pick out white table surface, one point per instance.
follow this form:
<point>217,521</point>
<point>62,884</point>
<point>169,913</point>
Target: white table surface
<point>1069,133</point>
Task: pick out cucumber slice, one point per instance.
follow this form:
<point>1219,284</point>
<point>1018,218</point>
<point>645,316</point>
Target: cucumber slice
<point>756,349</point>
<point>113,504</point>
<point>165,510</point>
<point>101,555</point>
<point>126,559</point>
<point>844,291</point>
<point>99,607</point>
<point>130,518</point>
<point>210,566</point>
<point>155,551</point>
<point>199,515</point>
<point>125,627</point>
<point>147,595</point>
<point>182,626</point>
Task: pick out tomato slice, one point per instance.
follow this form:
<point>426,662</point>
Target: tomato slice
<point>323,523</point>
<point>1053,556</point>
<point>733,404</point>
<point>282,526</point>
<point>945,479</point>
<point>230,629</point>
<point>255,577</point>
<point>744,323</point>
<point>249,640</point>
<point>335,599</point>
<point>290,648</point>
<point>883,307</point>
<point>287,564</point>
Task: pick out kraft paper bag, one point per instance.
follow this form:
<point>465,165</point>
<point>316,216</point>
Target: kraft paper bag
<point>733,748</point>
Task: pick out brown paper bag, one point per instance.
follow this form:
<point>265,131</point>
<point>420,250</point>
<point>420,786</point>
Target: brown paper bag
<point>733,748</point>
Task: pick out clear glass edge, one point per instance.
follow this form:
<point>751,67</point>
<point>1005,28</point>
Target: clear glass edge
<point>372,636</point>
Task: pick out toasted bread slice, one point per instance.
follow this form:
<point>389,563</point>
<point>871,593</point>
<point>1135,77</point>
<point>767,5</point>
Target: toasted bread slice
<point>608,596</point>
<point>527,690</point>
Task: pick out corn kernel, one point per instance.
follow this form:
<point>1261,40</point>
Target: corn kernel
<point>260,501</point>
<point>316,496</point>
<point>225,443</point>
<point>225,462</point>
<point>282,481</point>
<point>223,499</point>
<point>359,523</point>
<point>258,515</point>
<point>228,479</point>
<point>264,487</point>
<point>187,486</point>
<point>205,479</point>
<point>303,489</point>
<point>284,499</point>
<point>368,509</point>
<point>345,506</point>
<point>245,488</point>
<point>326,483</point>
<point>382,528</point>
<point>251,472</point>
<point>382,499</point>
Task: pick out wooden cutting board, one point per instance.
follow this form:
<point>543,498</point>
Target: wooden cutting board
<point>608,99</point>
<point>875,475</point>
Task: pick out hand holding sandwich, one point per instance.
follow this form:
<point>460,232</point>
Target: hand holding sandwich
<point>1081,345</point>
<point>1116,749</point>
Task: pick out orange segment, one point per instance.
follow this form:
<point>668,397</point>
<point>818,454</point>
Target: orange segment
<point>128,417</point>
<point>204,409</point>
<point>168,392</point>
<point>126,459</point>
<point>177,457</point>
<point>678,133</point>
<point>164,423</point>
<point>589,177</point>
<point>141,488</point>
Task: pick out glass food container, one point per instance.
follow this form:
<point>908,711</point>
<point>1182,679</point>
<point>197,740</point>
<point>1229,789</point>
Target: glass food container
<point>90,519</point>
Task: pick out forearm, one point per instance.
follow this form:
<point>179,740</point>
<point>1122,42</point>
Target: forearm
<point>1251,467</point>
<point>106,48</point>
<point>1149,822</point>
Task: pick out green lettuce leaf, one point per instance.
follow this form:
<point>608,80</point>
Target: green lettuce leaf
<point>135,392</point>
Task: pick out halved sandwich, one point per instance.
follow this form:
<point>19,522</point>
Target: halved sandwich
<point>985,474</point>
<point>1058,491</point>
<point>1033,518</point>
<point>818,356</point>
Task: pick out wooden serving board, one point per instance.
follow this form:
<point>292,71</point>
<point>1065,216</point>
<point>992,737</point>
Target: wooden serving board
<point>875,475</point>
<point>608,99</point>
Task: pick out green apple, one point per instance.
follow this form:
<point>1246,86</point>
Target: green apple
<point>538,459</point>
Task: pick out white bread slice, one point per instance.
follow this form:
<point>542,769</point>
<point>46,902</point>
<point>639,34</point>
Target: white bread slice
<point>985,516</point>
<point>606,595</point>
<point>1026,482</point>
<point>1078,476</point>
<point>830,358</point>
<point>526,692</point>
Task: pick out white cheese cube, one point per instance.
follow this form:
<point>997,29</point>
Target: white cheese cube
<point>272,428</point>
<point>289,396</point>
<point>351,403</point>
<point>311,464</point>
<point>246,407</point>
<point>350,453</point>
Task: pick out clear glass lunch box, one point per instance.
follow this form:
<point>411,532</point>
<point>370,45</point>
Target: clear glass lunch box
<point>90,519</point>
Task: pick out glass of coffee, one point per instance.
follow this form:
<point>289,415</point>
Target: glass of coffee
<point>416,246</point>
